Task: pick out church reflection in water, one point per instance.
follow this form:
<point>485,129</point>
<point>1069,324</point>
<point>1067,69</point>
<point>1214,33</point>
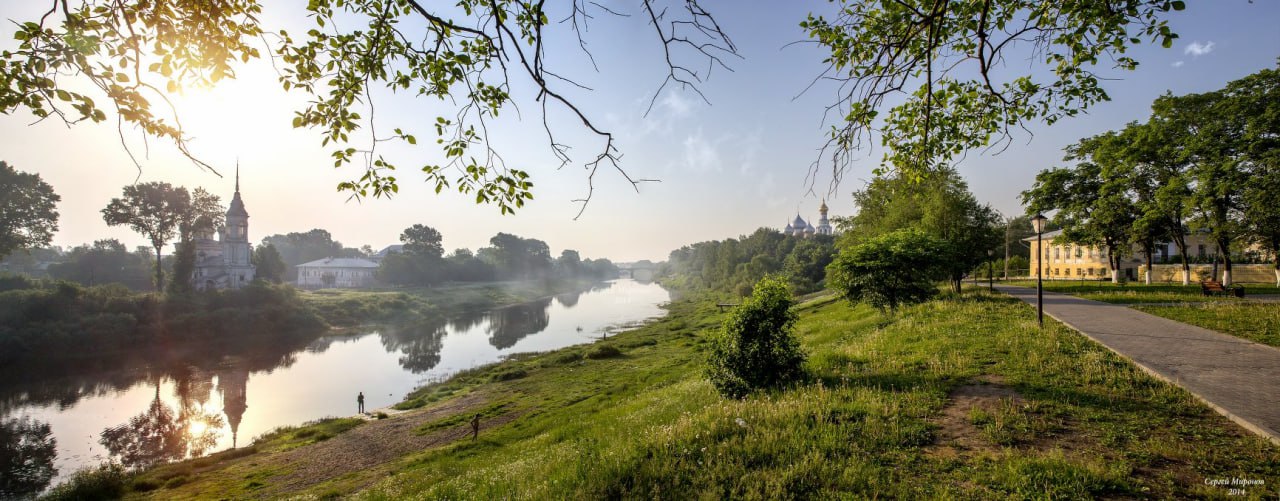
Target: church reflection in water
<point>162,433</point>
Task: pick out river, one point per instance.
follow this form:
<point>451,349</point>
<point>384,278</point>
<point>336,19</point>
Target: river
<point>145,411</point>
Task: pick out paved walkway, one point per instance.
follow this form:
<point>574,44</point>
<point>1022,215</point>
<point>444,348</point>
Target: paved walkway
<point>1236,377</point>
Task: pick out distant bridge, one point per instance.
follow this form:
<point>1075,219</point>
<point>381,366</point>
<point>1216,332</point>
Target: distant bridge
<point>642,271</point>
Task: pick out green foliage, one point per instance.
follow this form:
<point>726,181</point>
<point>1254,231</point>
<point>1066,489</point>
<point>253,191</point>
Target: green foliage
<point>604,351</point>
<point>268,264</point>
<point>756,347</point>
<point>733,265</point>
<point>890,270</point>
<point>159,212</point>
<point>939,205</point>
<point>105,261</point>
<point>941,62</point>
<point>79,63</point>
<point>422,241</point>
<point>107,481</point>
<point>28,210</point>
<point>66,321</point>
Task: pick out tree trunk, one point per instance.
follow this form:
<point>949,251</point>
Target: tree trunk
<point>1113,261</point>
<point>159,271</point>
<point>1180,241</point>
<point>1224,249</point>
<point>1149,252</point>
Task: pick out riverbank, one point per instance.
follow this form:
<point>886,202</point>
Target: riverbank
<point>957,398</point>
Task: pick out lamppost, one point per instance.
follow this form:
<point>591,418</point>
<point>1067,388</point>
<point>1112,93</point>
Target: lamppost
<point>991,278</point>
<point>1037,223</point>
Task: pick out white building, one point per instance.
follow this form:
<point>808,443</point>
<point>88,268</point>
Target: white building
<point>343,272</point>
<point>225,263</point>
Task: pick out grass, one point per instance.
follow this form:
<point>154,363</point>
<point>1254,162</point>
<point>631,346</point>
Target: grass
<point>1137,293</point>
<point>647,424</point>
<point>1257,322</point>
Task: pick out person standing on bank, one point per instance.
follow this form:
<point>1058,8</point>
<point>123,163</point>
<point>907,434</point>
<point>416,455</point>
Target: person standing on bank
<point>360,402</point>
<point>475,427</point>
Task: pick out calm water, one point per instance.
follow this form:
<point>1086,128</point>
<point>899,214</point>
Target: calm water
<point>150,410</point>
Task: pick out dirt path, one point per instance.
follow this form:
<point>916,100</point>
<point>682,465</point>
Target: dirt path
<point>372,444</point>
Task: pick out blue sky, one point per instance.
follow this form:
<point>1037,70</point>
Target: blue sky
<point>724,169</point>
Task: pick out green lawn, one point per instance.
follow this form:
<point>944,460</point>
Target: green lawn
<point>873,421</point>
<point>1137,293</point>
<point>1258,322</point>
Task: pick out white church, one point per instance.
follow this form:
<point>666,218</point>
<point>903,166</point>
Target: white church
<point>224,263</point>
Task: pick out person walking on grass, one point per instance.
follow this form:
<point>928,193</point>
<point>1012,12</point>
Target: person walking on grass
<point>475,427</point>
<point>360,402</point>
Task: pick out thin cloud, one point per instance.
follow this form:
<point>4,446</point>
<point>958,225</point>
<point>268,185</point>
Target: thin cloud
<point>1197,49</point>
<point>1178,64</point>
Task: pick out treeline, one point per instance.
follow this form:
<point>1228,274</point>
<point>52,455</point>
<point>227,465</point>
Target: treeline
<point>41,319</point>
<point>737,264</point>
<point>421,261</point>
<point>1205,164</point>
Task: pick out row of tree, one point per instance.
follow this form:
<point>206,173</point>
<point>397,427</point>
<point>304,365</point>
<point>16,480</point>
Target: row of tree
<point>1201,164</point>
<point>421,261</point>
<point>737,264</point>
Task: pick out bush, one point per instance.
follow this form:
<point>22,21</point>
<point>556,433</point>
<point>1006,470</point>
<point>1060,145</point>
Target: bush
<point>887,271</point>
<point>103,482</point>
<point>756,348</point>
<point>604,352</point>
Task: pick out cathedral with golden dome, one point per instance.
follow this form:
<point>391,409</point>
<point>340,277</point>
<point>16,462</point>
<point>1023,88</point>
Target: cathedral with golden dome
<point>803,229</point>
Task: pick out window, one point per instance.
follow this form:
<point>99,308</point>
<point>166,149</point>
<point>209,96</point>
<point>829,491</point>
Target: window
<point>1057,251</point>
<point>1201,250</point>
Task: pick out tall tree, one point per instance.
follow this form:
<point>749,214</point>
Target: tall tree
<point>1091,210</point>
<point>203,215</point>
<point>423,241</point>
<point>28,210</point>
<point>155,210</point>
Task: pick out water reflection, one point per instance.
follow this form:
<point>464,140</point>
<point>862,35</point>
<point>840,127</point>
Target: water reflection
<point>178,401</point>
<point>27,450</point>
<point>160,434</point>
<point>419,344</point>
<point>507,326</point>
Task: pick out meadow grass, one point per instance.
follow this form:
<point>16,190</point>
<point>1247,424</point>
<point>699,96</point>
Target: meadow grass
<point>865,424</point>
<point>1257,322</point>
<point>1137,293</point>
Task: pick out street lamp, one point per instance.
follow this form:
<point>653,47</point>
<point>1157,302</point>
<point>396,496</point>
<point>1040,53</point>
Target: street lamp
<point>1037,223</point>
<point>991,278</point>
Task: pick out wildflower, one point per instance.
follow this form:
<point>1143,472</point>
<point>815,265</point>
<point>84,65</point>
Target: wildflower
<point>740,422</point>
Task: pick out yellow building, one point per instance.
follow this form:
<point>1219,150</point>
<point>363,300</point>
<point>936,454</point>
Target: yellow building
<point>1063,260</point>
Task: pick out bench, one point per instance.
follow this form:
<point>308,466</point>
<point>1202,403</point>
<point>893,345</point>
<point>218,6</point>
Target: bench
<point>1215,288</point>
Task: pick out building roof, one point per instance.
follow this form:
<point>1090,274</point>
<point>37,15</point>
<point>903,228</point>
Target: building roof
<point>388,250</point>
<point>1048,235</point>
<point>340,262</point>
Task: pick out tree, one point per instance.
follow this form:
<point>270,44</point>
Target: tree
<point>1092,208</point>
<point>267,263</point>
<point>938,68</point>
<point>28,210</point>
<point>297,248</point>
<point>155,210</point>
<point>422,241</point>
<point>756,347</point>
<point>105,261</point>
<point>569,263</point>
<point>466,57</point>
<point>889,270</point>
<point>938,204</point>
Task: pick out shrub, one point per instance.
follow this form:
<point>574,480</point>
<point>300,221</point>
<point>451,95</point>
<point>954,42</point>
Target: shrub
<point>604,352</point>
<point>107,481</point>
<point>887,271</point>
<point>508,375</point>
<point>756,348</point>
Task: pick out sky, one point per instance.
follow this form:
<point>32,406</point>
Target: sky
<point>724,168</point>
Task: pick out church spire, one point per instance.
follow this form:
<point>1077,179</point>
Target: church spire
<point>237,175</point>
